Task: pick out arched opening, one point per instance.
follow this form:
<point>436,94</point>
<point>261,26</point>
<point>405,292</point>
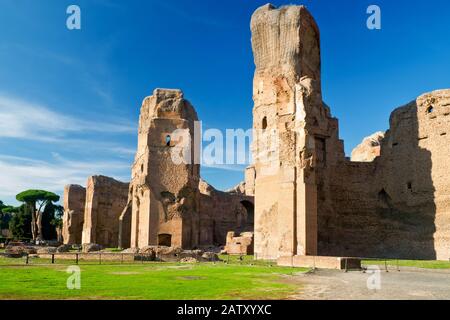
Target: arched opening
<point>384,199</point>
<point>250,208</point>
<point>430,109</point>
<point>264,123</point>
<point>165,240</point>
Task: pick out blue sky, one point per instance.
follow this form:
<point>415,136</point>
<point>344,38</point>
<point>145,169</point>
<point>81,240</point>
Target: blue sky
<point>69,100</point>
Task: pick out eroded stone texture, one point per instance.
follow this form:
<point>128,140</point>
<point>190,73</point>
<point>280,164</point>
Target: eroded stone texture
<point>369,149</point>
<point>73,219</point>
<point>294,131</point>
<point>164,192</point>
<point>105,200</point>
<point>239,245</point>
<point>222,212</point>
<point>311,199</point>
<point>168,203</point>
<point>125,225</point>
<point>397,206</point>
<point>250,176</point>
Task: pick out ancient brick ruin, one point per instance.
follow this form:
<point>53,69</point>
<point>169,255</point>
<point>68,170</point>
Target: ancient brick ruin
<point>73,219</point>
<point>168,203</point>
<point>289,119</point>
<point>105,200</point>
<point>310,198</point>
<point>91,215</point>
<point>222,212</point>
<point>240,244</point>
<point>303,196</point>
<point>164,194</point>
<point>369,148</point>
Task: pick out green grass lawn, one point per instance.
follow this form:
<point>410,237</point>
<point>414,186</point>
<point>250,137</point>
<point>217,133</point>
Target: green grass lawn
<point>167,281</point>
<point>410,263</point>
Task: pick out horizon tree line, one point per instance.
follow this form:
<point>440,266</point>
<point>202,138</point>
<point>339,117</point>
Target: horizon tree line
<point>37,218</point>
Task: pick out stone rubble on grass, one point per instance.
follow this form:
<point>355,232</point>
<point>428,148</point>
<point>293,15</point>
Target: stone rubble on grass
<point>91,247</point>
<point>189,260</point>
<point>64,248</point>
<point>47,250</point>
<point>173,254</point>
<point>131,250</point>
<point>20,250</point>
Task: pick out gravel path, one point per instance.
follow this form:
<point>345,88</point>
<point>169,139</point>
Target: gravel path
<point>407,284</point>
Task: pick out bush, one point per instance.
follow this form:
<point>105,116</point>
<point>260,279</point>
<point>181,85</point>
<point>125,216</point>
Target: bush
<point>20,224</point>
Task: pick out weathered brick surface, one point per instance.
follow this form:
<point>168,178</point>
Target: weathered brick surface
<point>73,219</point>
<point>311,199</point>
<point>105,200</point>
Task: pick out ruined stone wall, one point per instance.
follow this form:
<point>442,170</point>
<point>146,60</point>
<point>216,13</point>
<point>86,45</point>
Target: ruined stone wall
<point>105,200</point>
<point>348,229</point>
<point>294,131</point>
<point>222,212</point>
<point>250,177</point>
<point>398,205</point>
<point>241,244</point>
<point>311,199</point>
<point>168,203</point>
<point>369,148</point>
<point>164,193</point>
<point>413,184</point>
<point>125,224</point>
<point>73,219</point>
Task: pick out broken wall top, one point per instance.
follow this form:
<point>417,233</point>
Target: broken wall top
<point>167,103</point>
<point>74,196</point>
<point>287,38</point>
<point>368,149</point>
<point>105,181</point>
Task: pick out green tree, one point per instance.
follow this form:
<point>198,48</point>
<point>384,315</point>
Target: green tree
<point>5,216</point>
<point>59,213</point>
<point>51,221</point>
<point>36,201</point>
<point>20,224</point>
<point>58,221</point>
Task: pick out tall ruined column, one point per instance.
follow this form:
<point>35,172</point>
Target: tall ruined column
<point>73,219</point>
<point>287,107</point>
<point>164,192</point>
<point>105,200</point>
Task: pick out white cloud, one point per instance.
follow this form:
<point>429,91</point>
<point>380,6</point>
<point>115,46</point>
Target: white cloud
<point>18,174</point>
<point>22,120</point>
<point>25,120</point>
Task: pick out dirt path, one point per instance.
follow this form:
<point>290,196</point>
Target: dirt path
<point>406,284</point>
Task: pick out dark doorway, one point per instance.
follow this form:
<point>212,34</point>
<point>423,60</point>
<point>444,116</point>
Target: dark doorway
<point>250,221</point>
<point>321,152</point>
<point>165,240</point>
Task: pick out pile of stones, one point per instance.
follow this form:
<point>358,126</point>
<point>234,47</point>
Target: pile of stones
<point>172,254</point>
